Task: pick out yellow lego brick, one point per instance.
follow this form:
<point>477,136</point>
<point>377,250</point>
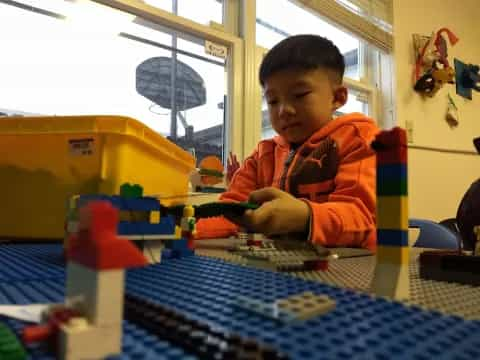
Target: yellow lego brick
<point>154,217</point>
<point>393,255</point>
<point>178,232</point>
<point>392,212</point>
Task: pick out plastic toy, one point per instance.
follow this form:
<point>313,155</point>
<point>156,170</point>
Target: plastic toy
<point>10,347</point>
<point>299,307</point>
<point>391,276</point>
<point>194,336</point>
<point>93,310</point>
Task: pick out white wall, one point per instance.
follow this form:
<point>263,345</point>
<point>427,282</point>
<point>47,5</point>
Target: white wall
<point>437,180</point>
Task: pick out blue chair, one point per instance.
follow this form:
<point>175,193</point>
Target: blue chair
<point>433,235</point>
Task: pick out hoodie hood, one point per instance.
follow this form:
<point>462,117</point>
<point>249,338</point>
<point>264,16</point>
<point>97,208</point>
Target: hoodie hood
<point>329,128</point>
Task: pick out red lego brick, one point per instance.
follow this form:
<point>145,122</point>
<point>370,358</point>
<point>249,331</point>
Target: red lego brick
<point>96,245</point>
<point>391,146</point>
<point>48,332</point>
<point>318,265</point>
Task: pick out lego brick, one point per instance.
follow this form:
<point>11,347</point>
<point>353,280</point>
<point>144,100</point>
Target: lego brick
<point>391,280</point>
<point>391,146</point>
<point>392,237</point>
<point>391,172</point>
<point>128,228</point>
<point>392,156</point>
<point>10,346</point>
<point>131,191</point>
<point>306,305</point>
<point>98,295</point>
<point>393,187</point>
<point>165,226</point>
<point>96,245</point>
<point>450,266</point>
<point>393,254</point>
<point>221,208</point>
<point>80,340</point>
<point>152,250</point>
<point>197,338</point>
<point>140,204</point>
<point>392,212</point>
<point>155,217</point>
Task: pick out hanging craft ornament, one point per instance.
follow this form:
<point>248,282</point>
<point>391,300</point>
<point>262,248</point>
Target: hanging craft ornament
<point>432,69</point>
<point>452,113</point>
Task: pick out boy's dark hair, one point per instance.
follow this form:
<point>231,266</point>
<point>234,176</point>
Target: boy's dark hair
<point>306,52</point>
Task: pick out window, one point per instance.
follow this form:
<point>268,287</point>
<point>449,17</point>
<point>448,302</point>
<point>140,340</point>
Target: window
<point>273,26</point>
<point>64,63</point>
<point>202,11</point>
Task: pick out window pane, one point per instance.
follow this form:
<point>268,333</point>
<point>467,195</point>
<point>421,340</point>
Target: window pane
<point>202,11</point>
<point>272,27</point>
<point>65,66</point>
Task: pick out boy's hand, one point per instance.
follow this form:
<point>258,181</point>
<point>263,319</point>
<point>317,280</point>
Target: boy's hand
<point>232,166</point>
<point>279,213</point>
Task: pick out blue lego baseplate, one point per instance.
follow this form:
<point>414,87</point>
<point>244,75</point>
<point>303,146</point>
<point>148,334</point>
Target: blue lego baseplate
<point>360,327</point>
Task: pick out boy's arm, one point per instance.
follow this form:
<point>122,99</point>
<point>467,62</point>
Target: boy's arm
<point>244,181</point>
<point>348,217</point>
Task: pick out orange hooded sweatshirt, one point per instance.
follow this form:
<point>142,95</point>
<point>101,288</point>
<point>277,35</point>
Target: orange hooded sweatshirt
<point>333,171</point>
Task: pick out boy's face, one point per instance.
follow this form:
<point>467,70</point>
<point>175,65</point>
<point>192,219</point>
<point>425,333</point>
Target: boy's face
<point>301,101</point>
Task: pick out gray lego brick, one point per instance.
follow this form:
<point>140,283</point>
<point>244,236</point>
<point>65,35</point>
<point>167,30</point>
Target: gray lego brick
<point>356,273</point>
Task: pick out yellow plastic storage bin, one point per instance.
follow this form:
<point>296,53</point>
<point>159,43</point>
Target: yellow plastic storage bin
<point>45,160</point>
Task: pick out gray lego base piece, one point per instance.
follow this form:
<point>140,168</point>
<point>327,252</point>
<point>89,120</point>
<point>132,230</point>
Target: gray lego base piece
<point>299,307</point>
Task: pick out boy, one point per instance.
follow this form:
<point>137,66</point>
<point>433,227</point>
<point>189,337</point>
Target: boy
<point>317,177</point>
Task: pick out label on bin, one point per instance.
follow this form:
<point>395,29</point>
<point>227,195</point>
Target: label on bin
<point>81,147</point>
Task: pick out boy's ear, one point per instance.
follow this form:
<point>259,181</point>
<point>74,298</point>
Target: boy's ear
<point>340,97</point>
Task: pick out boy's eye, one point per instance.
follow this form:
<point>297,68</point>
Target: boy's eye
<point>272,102</point>
<point>302,94</point>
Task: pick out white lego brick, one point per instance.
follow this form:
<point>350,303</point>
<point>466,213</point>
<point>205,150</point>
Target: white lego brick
<point>306,305</point>
<point>79,340</point>
<point>152,250</point>
<point>391,280</point>
<point>98,295</point>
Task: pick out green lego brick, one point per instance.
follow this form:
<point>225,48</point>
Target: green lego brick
<point>398,187</point>
<point>131,191</point>
<point>10,347</point>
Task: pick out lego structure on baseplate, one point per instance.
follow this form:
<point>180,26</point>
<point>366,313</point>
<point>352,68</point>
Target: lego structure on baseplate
<point>391,277</point>
<point>452,266</point>
<point>93,310</point>
<point>150,224</point>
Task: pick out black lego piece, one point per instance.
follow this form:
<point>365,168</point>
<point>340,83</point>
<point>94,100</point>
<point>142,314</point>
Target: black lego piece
<point>193,336</point>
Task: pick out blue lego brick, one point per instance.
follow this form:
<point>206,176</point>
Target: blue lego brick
<point>140,204</point>
<point>165,226</point>
<point>205,290</point>
<point>389,172</point>
<point>116,201</point>
<point>128,228</point>
<point>392,237</point>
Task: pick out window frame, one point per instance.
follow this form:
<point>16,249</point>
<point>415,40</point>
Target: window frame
<point>234,126</point>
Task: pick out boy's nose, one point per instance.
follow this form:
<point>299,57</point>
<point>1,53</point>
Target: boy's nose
<point>286,109</point>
